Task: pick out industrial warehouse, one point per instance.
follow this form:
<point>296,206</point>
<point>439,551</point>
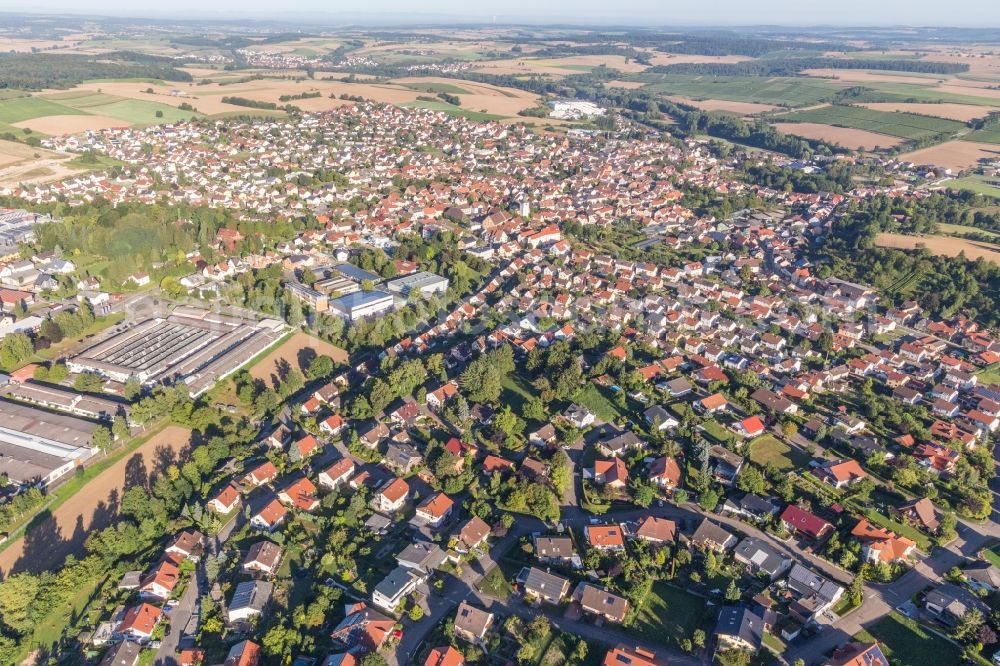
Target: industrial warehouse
<point>39,447</point>
<point>191,345</point>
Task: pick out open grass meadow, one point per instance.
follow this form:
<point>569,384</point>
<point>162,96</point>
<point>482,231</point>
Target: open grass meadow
<point>903,125</point>
<point>977,184</point>
<point>20,109</point>
<point>780,91</point>
<point>905,642</point>
<point>985,135</point>
<point>768,449</point>
<point>669,613</point>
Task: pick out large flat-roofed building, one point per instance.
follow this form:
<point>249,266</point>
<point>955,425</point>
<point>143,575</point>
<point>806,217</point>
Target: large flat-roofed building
<point>341,286</point>
<point>425,283</point>
<point>39,447</point>
<point>194,346</point>
<point>314,299</point>
<point>362,304</point>
<point>67,400</point>
<point>359,275</point>
<point>17,226</point>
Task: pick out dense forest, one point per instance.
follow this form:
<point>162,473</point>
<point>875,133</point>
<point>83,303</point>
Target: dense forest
<point>792,66</point>
<point>730,44</point>
<point>36,71</point>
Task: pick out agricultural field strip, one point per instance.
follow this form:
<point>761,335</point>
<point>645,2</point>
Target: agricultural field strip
<point>900,124</point>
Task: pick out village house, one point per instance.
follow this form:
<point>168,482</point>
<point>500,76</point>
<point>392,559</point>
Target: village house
<point>263,558</point>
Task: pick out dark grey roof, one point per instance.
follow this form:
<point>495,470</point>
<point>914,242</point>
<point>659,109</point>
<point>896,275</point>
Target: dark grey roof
<point>741,622</point>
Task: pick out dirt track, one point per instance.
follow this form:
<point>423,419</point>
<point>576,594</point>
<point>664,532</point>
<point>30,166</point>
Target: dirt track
<point>94,506</point>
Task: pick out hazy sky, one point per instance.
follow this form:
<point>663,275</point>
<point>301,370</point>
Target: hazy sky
<point>972,13</point>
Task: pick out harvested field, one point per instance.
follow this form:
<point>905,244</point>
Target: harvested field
<point>296,352</point>
<point>955,155</point>
<point>743,108</point>
<point>845,136</point>
<point>131,101</point>
<point>627,85</point>
<point>961,112</point>
<point>66,124</point>
<point>946,245</point>
<point>93,506</point>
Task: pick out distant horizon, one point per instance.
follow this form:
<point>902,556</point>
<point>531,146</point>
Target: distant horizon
<point>683,14</point>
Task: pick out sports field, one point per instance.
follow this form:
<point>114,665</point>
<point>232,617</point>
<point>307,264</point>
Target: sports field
<point>899,124</point>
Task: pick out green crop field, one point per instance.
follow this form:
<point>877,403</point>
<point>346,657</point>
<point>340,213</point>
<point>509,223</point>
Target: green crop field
<point>141,112</point>
<point>25,108</point>
<point>986,135</point>
<point>977,184</point>
<point>434,87</point>
<point>83,99</point>
<point>888,91</point>
<point>781,91</point>
<point>903,125</point>
<point>452,110</point>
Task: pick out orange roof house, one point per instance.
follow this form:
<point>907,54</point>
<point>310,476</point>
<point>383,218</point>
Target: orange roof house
<point>840,473</point>
<point>444,656</point>
<point>880,545</point>
<point>612,472</point>
<point>605,537</point>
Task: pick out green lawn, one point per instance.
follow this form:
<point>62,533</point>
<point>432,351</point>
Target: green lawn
<point>599,400</point>
<point>990,374</point>
<point>669,613</point>
<point>495,584</point>
<point>516,391</point>
<point>142,112</point>
<point>905,642</point>
<point>975,184</point>
<point>769,449</point>
<point>903,125</point>
<point>716,431</point>
<point>991,554</point>
<point>26,108</point>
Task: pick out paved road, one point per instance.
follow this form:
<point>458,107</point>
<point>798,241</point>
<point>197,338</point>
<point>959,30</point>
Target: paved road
<point>881,599</point>
<point>199,585</point>
<point>441,605</point>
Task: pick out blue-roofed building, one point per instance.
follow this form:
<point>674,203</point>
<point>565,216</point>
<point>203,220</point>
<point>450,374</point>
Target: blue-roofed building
<point>357,274</point>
